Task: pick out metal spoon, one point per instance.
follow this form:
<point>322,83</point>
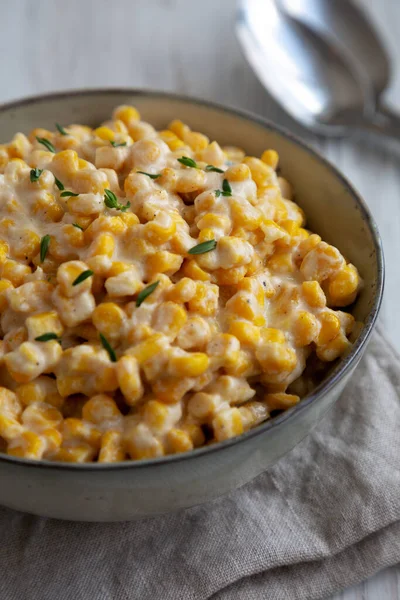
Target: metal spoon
<point>345,25</point>
<point>305,74</point>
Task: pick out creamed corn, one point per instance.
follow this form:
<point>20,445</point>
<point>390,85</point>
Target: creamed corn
<point>158,292</point>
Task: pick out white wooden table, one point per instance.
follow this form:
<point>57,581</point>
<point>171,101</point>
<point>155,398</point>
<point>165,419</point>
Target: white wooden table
<point>189,46</point>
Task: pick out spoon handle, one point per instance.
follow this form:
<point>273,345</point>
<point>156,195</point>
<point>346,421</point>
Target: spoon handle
<point>385,123</point>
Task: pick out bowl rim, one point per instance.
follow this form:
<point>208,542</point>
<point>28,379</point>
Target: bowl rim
<point>337,373</point>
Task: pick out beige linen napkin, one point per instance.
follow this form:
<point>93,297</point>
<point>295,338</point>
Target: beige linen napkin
<point>325,517</point>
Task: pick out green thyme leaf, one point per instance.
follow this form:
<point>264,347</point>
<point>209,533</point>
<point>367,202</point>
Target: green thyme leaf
<point>77,226</point>
<point>46,144</point>
<point>106,345</point>
<point>188,162</point>
<point>58,183</point>
<point>226,188</point>
<point>111,201</point>
<point>84,275</point>
<point>146,292</point>
<point>150,174</point>
<point>203,247</point>
<point>61,129</point>
<point>35,174</point>
<point>44,246</point>
<point>46,337</point>
<point>67,193</point>
<point>116,144</point>
<point>212,168</point>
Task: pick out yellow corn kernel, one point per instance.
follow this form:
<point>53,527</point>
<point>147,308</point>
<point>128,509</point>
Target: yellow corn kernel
<point>281,262</point>
<point>245,332</point>
<point>108,318</point>
<point>74,236</point>
<point>195,433</point>
<point>171,139</point>
<point>126,114</point>
<point>169,318</point>
<point>305,328</point>
<point>330,327</point>
<point>229,276</point>
<point>269,334</point>
<point>223,350</point>
<point>239,172</point>
<point>42,389</point>
<point>190,180</point>
<point>129,219</point>
<point>155,415</point>
<point>4,285</point>
<point>334,348</point>
<point>148,348</point>
<point>206,235</point>
<point>227,424</point>
<point>103,245</point>
<point>254,286</point>
<point>313,294</point>
<point>253,413</point>
<point>261,173</point>
<point>244,305</point>
<point>40,416</point>
<point>104,133</point>
<point>343,286</point>
<point>27,445</point>
<point>14,338</point>
<point>215,222</point>
<point>203,405</point>
<point>162,262</point>
<point>205,302</point>
<point>4,250</point>
<point>15,272</point>
<point>10,428</point>
<point>46,322</point>
<point>233,153</point>
<point>192,270</point>
<point>160,230</point>
<point>74,429</point>
<point>190,364</point>
<point>321,262</point>
<point>181,292</point>
<point>118,267</point>
<point>276,360</point>
<point>66,275</point>
<point>65,162</point>
<point>347,321</point>
<point>178,441</point>
<point>78,453</point>
<point>99,409</point>
<point>271,158</point>
<point>111,449</point>
<point>292,227</point>
<point>196,141</point>
<point>179,128</point>
<point>140,443</point>
<point>10,405</point>
<point>280,401</point>
<point>171,389</point>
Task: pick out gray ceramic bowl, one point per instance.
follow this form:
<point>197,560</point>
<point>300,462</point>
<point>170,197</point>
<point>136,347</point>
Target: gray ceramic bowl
<point>129,490</point>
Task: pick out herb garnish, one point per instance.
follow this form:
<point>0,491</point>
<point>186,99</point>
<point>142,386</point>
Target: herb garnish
<point>146,292</point>
<point>106,345</point>
<point>111,201</point>
<point>203,247</point>
<point>84,275</point>
<point>44,246</point>
<point>46,144</point>
<point>35,174</point>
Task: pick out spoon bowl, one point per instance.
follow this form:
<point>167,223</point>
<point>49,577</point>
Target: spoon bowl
<point>311,78</point>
